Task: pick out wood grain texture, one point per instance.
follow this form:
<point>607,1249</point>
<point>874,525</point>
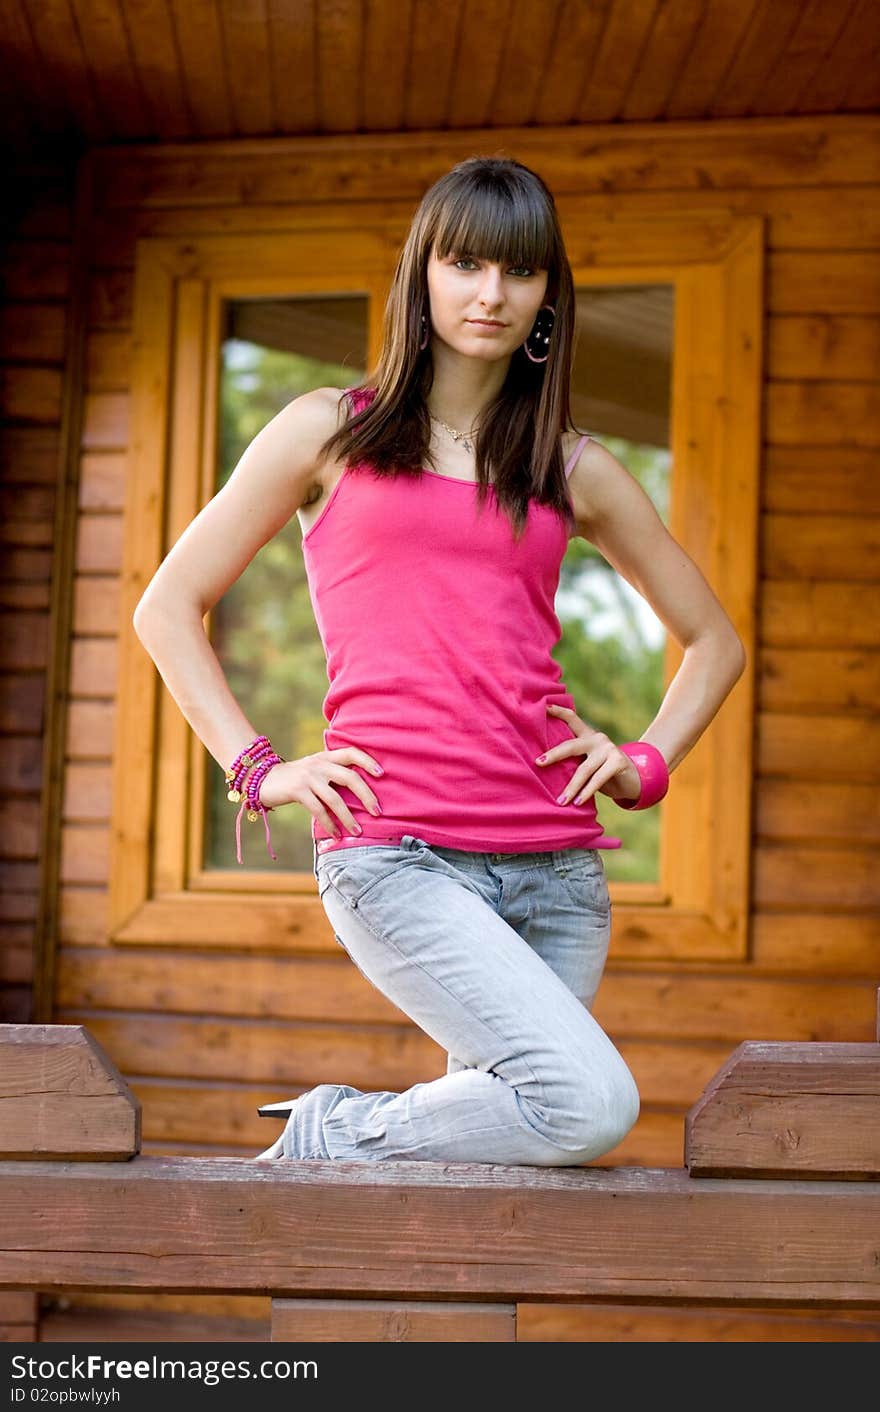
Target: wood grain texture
<point>65,1319</point>
<point>62,1096</point>
<point>19,1316</point>
<point>778,1110</point>
<point>189,69</point>
<point>315,983</point>
<point>391,1321</point>
<point>685,157</point>
<point>795,218</point>
<point>597,1323</point>
<point>179,1318</point>
<point>444,1230</point>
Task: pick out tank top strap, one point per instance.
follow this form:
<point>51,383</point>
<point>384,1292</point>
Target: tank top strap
<point>572,460</point>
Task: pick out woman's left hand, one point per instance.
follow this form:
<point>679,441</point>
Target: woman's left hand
<point>604,764</point>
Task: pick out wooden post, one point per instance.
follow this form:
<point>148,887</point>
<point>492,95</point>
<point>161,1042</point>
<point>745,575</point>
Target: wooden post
<point>789,1110</point>
<point>61,1096</point>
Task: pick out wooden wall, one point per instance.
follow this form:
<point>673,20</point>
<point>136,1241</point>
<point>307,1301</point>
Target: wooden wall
<point>35,280</point>
<point>203,1038</point>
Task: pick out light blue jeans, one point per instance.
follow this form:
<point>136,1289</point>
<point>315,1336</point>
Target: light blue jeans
<point>497,956</point>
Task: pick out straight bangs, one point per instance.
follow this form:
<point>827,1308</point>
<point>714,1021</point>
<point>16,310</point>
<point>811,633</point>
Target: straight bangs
<point>497,222</point>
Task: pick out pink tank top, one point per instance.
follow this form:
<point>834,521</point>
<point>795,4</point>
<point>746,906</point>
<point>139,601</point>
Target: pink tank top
<point>437,628</point>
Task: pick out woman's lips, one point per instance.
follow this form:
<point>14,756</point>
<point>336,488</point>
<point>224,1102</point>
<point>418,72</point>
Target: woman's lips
<point>486,323</point>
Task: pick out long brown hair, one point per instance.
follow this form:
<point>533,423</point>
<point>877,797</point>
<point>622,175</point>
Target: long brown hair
<point>496,209</point>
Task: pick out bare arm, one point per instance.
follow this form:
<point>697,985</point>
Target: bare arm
<point>616,515</point>
<point>269,484</point>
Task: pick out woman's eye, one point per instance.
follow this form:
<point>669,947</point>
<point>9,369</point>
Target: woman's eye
<point>468,260</point>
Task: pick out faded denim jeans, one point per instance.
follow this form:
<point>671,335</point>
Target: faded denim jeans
<point>496,956</point>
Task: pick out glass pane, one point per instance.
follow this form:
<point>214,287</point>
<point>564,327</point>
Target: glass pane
<point>263,629</point>
<point>613,644</point>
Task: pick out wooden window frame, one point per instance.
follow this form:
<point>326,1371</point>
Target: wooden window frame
<point>158,892</point>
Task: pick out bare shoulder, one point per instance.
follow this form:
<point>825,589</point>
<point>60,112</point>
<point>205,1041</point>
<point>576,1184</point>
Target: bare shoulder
<point>316,414</point>
<point>275,476</point>
<point>327,406</point>
<point>311,419</point>
<point>596,484</point>
<point>324,411</point>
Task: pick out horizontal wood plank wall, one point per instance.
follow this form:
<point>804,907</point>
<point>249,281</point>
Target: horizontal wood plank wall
<point>35,272</point>
<point>34,298</point>
<point>203,1039</point>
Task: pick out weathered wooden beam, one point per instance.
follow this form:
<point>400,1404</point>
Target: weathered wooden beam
<point>62,1096</point>
<point>391,1321</point>
<point>462,1231</point>
<point>399,166</point>
<point>789,1110</point>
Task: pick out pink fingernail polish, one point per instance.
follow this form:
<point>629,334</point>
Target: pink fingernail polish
<point>561,799</point>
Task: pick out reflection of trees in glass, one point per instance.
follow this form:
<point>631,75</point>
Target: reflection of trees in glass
<point>263,629</point>
<point>264,632</point>
<point>611,654</point>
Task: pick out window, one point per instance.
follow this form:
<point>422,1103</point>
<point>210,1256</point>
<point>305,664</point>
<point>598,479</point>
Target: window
<point>227,324</point>
<point>613,646</point>
<point>263,629</point>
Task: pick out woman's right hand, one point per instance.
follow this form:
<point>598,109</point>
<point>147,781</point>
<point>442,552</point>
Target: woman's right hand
<point>309,781</point>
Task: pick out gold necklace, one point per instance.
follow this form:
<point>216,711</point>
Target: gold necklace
<point>462,436</point>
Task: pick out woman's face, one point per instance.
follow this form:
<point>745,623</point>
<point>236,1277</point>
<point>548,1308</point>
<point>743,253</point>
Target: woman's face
<point>464,289</point>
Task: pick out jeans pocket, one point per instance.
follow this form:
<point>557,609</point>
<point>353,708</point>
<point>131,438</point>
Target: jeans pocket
<point>352,872</point>
<point>583,876</point>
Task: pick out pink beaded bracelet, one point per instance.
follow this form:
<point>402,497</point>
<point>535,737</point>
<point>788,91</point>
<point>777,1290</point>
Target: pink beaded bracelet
<point>244,777</point>
<point>238,770</point>
<point>653,772</point>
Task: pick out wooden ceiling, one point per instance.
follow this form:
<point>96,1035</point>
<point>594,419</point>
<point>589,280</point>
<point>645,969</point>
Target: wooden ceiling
<point>82,72</point>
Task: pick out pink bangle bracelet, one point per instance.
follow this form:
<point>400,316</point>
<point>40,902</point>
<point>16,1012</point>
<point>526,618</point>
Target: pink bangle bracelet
<point>653,772</point>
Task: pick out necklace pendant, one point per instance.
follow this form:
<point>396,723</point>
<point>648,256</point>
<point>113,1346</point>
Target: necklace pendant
<point>457,436</point>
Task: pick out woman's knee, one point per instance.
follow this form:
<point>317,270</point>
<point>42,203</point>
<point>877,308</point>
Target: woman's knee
<point>619,1113</point>
<point>595,1113</point>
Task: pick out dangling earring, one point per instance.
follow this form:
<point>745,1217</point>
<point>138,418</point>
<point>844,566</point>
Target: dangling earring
<point>541,331</point>
<point>426,334</point>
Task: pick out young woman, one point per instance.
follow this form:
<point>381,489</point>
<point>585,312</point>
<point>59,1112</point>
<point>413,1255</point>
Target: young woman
<point>456,842</point>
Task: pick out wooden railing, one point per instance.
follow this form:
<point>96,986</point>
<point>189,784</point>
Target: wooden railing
<point>778,1204</point>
